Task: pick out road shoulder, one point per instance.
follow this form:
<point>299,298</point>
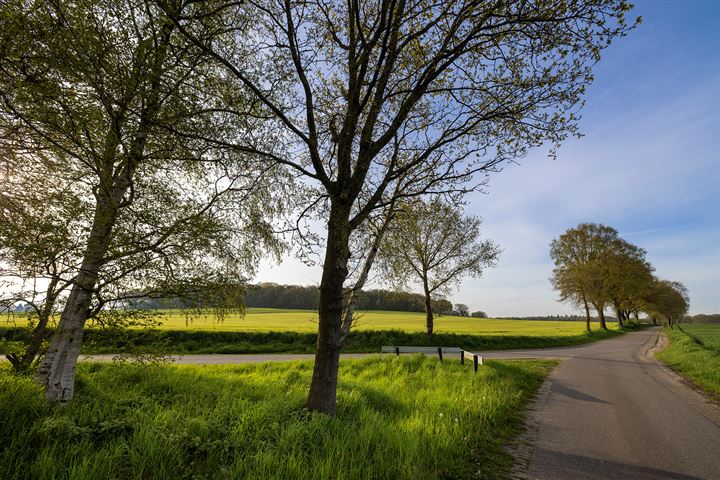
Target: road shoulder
<point>680,385</point>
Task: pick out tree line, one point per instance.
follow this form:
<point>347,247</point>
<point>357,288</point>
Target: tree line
<point>596,268</point>
<point>273,295</point>
<point>172,144</point>
<point>703,318</point>
<point>558,318</point>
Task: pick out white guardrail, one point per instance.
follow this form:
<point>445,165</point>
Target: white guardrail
<point>476,358</point>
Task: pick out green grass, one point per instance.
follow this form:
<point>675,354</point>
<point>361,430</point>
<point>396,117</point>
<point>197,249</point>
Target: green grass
<point>694,351</point>
<point>398,418</point>
<point>708,334</point>
<point>294,331</point>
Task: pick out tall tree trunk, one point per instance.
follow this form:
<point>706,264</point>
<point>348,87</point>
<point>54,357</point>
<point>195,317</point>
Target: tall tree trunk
<point>637,317</point>
<point>428,309</point>
<point>620,314</point>
<point>587,315</point>
<point>601,315</point>
<point>322,395</point>
<point>57,370</point>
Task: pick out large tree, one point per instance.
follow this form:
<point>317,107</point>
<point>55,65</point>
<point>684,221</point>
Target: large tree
<point>375,101</point>
<point>88,90</point>
<point>629,279</point>
<point>581,274</point>
<point>434,244</point>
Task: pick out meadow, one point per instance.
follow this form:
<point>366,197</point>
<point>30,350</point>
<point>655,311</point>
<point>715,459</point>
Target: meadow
<point>279,320</point>
<point>294,331</point>
<point>398,417</point>
<point>694,351</point>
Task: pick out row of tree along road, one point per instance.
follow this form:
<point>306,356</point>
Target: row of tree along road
<point>595,268</point>
<point>166,145</point>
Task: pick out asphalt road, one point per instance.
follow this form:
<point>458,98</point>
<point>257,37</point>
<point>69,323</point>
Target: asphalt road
<point>609,411</point>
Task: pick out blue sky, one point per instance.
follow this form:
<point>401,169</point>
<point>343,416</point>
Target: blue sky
<point>648,165</point>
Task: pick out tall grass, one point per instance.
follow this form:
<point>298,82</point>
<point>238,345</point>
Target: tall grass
<point>694,351</point>
<point>398,418</point>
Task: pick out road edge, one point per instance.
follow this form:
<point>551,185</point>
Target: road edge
<point>677,383</point>
<point>521,447</point>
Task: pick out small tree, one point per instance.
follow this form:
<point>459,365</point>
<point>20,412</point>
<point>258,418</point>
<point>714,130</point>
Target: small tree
<point>479,314</point>
<point>434,244</point>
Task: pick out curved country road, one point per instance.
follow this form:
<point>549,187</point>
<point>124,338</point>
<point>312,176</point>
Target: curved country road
<point>609,411</point>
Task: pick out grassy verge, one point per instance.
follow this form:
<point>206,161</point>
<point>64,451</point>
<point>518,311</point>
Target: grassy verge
<point>205,342</point>
<point>694,351</point>
<point>399,417</point>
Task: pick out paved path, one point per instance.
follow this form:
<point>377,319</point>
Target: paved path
<point>609,411</point>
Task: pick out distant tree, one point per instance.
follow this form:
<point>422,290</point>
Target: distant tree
<point>441,306</point>
<point>434,244</point>
<point>704,318</point>
<point>668,300</point>
<point>462,309</point>
<point>479,314</point>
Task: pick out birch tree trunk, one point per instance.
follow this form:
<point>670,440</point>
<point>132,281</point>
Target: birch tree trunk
<point>57,370</point>
<point>354,297</point>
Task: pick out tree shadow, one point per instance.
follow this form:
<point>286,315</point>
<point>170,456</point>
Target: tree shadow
<point>562,389</point>
<point>547,463</point>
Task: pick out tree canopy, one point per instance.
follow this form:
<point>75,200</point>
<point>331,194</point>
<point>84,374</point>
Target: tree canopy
<point>594,266</point>
<point>87,90</point>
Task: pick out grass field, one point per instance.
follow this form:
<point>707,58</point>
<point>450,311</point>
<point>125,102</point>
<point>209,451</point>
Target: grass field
<point>276,320</point>
<point>294,331</point>
<point>398,417</point>
<point>694,351</point>
<point>305,321</point>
